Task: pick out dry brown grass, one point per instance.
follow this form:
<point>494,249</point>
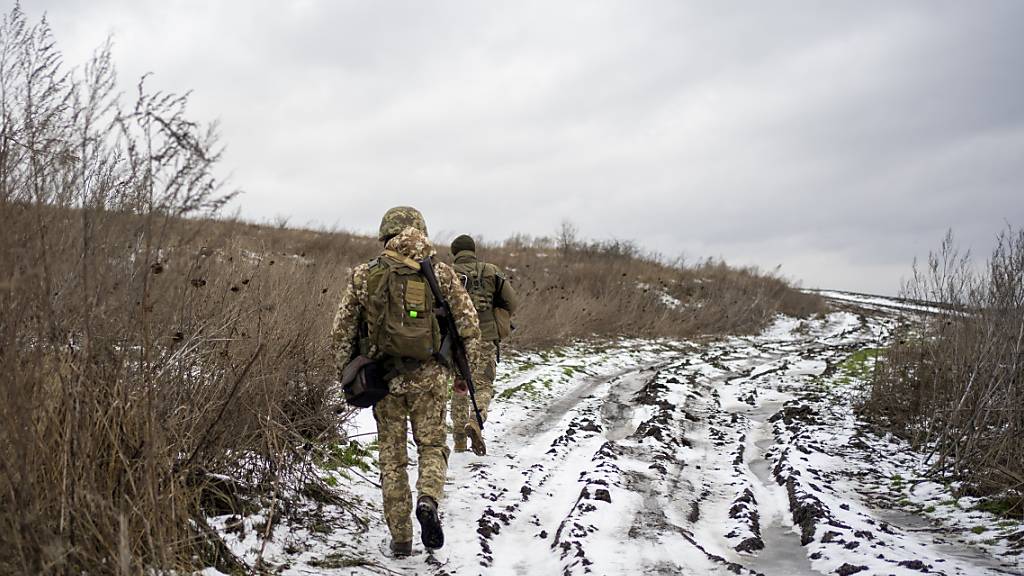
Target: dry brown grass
<point>141,350</point>
<point>146,346</point>
<point>608,289</point>
<point>956,385</point>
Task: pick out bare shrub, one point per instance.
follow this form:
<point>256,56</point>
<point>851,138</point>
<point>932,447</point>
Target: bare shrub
<point>955,384</point>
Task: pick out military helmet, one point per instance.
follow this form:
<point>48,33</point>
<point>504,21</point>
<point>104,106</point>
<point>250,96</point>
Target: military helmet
<point>399,218</point>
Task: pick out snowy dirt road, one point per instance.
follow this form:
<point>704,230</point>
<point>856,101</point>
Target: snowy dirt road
<point>742,456</point>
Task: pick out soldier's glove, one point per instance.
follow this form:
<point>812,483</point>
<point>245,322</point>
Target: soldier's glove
<point>460,387</point>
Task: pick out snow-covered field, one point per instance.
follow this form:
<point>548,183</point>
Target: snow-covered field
<point>742,456</point>
<point>867,301</point>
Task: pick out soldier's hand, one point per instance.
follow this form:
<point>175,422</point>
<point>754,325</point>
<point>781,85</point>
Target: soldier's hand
<point>460,387</point>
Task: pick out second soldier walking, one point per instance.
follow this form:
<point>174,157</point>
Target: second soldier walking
<point>495,301</point>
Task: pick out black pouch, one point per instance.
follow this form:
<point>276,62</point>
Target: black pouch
<point>363,383</point>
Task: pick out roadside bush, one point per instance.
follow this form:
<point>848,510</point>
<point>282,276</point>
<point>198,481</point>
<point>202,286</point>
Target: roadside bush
<point>142,351</point>
<point>955,383</point>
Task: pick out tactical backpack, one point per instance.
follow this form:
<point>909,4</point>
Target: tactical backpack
<point>400,315</point>
<point>495,321</point>
<point>399,328</point>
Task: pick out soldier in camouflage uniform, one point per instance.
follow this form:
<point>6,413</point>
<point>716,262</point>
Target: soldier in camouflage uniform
<point>495,301</point>
<point>417,396</point>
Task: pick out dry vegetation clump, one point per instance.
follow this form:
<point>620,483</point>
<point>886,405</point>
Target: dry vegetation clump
<point>141,349</point>
<point>956,385</point>
<point>571,289</point>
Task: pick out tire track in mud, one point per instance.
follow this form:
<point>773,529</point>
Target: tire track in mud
<point>592,429</point>
<point>693,465</point>
<point>561,440</point>
<point>644,470</point>
<point>740,456</point>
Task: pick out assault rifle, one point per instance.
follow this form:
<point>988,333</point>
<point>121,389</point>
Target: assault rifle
<point>452,346</point>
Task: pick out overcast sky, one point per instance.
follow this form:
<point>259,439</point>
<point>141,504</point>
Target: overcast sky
<point>838,140</point>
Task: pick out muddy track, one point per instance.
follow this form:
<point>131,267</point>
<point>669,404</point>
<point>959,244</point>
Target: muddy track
<point>740,456</point>
<point>648,418</point>
<point>692,464</point>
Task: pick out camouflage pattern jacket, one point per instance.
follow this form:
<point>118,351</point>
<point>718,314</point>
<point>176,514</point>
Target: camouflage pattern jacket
<point>413,244</point>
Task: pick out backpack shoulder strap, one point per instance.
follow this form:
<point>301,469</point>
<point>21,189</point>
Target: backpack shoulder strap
<point>477,281</point>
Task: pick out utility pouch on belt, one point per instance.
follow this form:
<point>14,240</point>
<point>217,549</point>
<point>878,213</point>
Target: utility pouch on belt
<point>503,321</point>
<point>363,383</point>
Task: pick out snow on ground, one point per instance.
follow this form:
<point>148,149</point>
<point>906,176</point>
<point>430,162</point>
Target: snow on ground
<point>667,300</point>
<point>879,302</point>
<point>742,456</point>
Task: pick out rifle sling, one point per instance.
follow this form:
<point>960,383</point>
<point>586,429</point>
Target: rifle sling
<point>402,259</point>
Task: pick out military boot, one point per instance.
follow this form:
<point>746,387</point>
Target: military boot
<point>460,442</point>
<point>400,549</point>
<point>430,523</point>
<point>476,438</point>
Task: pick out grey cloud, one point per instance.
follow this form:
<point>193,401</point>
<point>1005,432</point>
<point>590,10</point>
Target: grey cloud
<point>838,140</point>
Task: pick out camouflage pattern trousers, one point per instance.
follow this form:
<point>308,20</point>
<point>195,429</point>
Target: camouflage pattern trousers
<point>462,408</point>
<point>424,408</point>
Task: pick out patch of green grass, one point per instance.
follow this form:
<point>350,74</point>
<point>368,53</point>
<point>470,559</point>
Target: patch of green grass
<point>549,356</point>
<point>1002,507</point>
<point>929,509</point>
<point>528,389</point>
<point>979,529</point>
<point>857,366</point>
<point>340,457</point>
<point>568,371</point>
<point>337,560</point>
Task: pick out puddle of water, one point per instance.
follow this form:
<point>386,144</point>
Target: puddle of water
<point>762,469</point>
<point>617,408</point>
<point>762,412</point>
<point>783,555</point>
